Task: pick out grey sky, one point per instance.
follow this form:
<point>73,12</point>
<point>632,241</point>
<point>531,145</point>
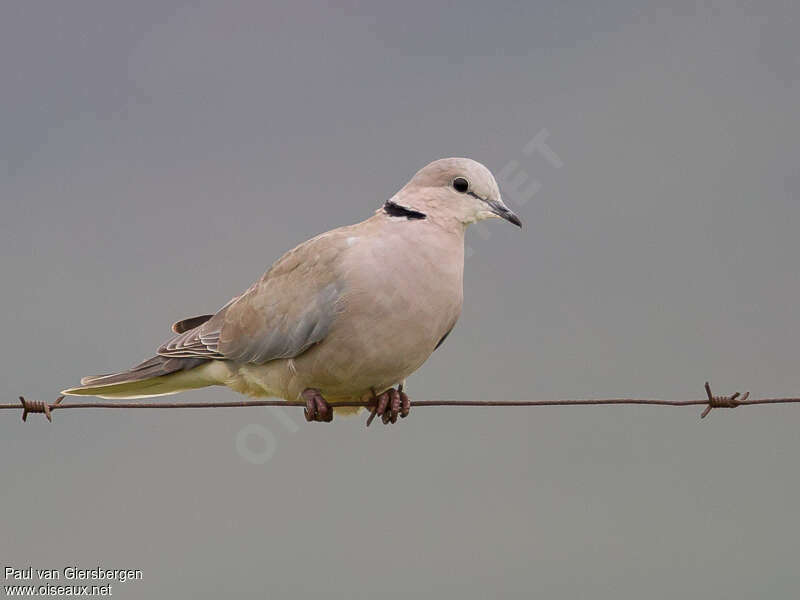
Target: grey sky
<point>156,157</point>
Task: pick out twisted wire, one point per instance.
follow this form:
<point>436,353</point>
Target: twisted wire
<point>710,402</point>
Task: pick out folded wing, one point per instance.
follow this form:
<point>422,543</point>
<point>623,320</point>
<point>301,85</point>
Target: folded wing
<point>292,307</point>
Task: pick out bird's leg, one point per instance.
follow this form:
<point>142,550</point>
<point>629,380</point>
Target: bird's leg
<point>317,408</point>
<point>405,401</point>
<point>389,405</point>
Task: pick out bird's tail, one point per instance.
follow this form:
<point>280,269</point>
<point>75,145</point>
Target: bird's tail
<point>158,376</point>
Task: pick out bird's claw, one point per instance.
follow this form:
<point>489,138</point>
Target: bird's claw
<point>389,405</point>
<point>317,408</point>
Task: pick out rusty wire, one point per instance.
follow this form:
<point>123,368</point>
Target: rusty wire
<point>710,402</point>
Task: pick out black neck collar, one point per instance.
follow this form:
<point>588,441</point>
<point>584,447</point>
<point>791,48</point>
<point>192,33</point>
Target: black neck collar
<point>396,210</point>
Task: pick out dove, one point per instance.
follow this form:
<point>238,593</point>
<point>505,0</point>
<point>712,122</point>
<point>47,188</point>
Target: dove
<point>348,315</point>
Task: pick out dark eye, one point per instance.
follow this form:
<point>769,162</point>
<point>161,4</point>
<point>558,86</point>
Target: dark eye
<point>460,185</point>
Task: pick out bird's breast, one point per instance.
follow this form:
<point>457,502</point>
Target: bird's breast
<point>400,278</point>
<point>401,297</point>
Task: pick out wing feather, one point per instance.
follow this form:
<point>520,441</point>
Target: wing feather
<point>190,323</point>
<point>291,308</point>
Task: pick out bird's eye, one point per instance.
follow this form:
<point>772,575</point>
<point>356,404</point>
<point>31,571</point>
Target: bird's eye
<point>460,185</point>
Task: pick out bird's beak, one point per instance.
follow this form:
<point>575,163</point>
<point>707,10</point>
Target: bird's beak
<point>502,211</point>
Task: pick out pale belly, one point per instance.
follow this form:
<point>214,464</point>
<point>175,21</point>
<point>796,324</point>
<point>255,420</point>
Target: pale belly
<point>369,354</point>
<point>391,321</point>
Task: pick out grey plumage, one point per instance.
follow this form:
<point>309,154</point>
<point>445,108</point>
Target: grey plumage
<point>190,323</point>
<point>158,366</point>
<point>266,323</point>
<point>350,312</point>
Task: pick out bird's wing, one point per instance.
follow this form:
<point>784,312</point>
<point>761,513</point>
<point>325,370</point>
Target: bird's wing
<point>289,309</point>
<point>185,325</point>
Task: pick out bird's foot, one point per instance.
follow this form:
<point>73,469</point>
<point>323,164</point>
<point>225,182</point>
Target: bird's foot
<point>317,408</point>
<point>389,405</point>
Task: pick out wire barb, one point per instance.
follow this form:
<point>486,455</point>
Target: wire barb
<point>722,401</point>
<point>38,406</point>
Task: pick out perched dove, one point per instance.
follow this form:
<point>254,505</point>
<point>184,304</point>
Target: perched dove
<point>345,316</point>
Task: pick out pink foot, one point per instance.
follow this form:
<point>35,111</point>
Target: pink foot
<point>317,408</point>
<point>389,405</point>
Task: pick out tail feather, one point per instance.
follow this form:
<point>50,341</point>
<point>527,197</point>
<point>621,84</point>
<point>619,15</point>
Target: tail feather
<point>157,376</point>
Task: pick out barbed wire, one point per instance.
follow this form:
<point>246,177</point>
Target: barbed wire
<point>710,402</point>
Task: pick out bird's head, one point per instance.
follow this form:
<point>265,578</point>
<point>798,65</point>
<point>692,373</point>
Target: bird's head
<point>453,189</point>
